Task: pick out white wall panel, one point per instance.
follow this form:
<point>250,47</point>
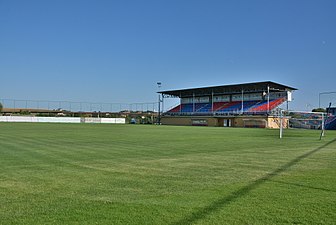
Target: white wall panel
<point>31,119</point>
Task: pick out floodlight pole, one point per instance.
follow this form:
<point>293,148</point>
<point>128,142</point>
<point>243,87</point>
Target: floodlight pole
<point>159,110</point>
<point>242,102</point>
<point>319,100</point>
<point>212,101</point>
<point>162,100</point>
<point>268,98</point>
<point>193,102</point>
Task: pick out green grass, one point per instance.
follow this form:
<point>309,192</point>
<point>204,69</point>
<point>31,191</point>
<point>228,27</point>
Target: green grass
<point>133,174</point>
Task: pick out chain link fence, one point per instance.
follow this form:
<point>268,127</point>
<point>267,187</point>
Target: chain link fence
<point>15,105</point>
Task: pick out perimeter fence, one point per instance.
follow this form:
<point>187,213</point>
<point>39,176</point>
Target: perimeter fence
<point>72,106</point>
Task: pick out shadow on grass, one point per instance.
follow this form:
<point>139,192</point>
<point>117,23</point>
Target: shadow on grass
<point>303,186</point>
<point>222,202</point>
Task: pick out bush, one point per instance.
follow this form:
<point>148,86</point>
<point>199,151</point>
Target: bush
<point>319,110</point>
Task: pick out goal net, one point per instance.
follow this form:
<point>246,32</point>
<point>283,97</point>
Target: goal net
<point>306,120</point>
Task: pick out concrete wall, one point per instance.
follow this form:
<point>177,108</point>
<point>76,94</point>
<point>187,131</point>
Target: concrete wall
<point>270,121</point>
<point>32,119</point>
<point>189,121</point>
<point>241,121</point>
<point>274,122</point>
<point>238,121</point>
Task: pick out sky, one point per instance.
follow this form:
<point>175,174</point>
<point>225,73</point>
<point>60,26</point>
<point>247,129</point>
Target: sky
<point>117,50</point>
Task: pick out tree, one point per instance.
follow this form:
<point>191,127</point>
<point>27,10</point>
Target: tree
<point>0,107</point>
<point>319,110</point>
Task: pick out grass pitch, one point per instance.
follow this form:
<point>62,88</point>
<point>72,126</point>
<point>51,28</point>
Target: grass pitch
<point>133,174</point>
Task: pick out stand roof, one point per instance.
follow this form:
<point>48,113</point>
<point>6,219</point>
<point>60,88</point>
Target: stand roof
<point>229,89</point>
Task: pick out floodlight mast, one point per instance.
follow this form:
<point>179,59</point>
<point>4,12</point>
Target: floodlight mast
<point>281,121</point>
<point>322,126</point>
<point>268,98</point>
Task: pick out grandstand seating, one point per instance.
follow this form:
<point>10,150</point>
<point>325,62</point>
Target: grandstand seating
<point>263,106</point>
<point>231,106</point>
<point>175,109</point>
<point>219,105</point>
<point>228,107</point>
<point>204,107</point>
<point>305,120</point>
<point>330,123</point>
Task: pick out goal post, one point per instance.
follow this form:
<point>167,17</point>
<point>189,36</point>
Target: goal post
<point>322,126</point>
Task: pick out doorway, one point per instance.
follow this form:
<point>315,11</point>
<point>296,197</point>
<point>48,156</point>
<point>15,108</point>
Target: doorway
<point>227,123</point>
